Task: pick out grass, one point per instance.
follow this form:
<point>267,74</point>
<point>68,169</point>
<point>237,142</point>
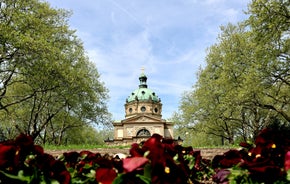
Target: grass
<point>218,147</point>
<point>82,147</point>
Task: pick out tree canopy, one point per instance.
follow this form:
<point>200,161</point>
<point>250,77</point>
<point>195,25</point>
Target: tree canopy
<point>245,83</point>
<point>47,83</point>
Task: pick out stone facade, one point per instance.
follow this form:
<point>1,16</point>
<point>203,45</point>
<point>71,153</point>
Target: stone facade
<point>143,117</point>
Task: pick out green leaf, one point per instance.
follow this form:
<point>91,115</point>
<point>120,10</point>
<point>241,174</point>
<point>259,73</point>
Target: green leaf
<point>144,178</point>
<point>20,176</point>
<point>147,170</point>
<point>118,179</point>
<point>146,153</point>
<point>91,174</point>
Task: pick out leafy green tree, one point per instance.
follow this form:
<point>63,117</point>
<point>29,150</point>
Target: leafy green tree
<point>269,21</point>
<point>245,83</point>
<point>214,103</point>
<point>47,81</point>
<point>88,135</point>
<point>192,134</point>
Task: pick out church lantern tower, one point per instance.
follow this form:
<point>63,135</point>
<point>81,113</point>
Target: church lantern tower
<point>143,116</point>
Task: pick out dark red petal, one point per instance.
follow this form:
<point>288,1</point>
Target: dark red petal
<point>24,141</point>
<point>246,145</point>
<point>38,149</point>
<point>7,153</point>
<point>64,177</point>
<point>287,161</point>
<point>153,140</point>
<point>136,151</point>
<point>105,175</point>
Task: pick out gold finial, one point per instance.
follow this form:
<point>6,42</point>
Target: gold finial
<point>142,69</point>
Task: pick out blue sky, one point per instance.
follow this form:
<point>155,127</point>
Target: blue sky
<point>168,38</point>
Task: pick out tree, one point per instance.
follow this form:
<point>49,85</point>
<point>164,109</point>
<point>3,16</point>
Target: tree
<point>192,133</point>
<point>88,135</point>
<point>245,83</point>
<point>269,21</point>
<point>214,102</point>
<point>46,79</point>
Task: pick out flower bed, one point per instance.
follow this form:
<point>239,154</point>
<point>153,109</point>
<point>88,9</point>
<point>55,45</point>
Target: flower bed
<point>157,160</point>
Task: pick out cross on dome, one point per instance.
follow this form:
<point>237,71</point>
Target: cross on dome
<point>142,70</point>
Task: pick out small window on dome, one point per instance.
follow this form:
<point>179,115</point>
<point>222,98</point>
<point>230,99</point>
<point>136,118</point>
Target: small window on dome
<point>133,93</point>
<point>143,92</point>
<point>153,94</point>
<point>156,110</point>
<point>143,109</point>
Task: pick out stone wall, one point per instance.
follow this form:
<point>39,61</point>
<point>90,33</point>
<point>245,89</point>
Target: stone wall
<point>207,153</point>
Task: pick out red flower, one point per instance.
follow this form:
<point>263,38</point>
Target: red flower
<point>24,141</point>
<point>265,173</point>
<point>164,169</point>
<point>71,158</point>
<point>25,147</point>
<point>134,163</point>
<point>266,160</point>
<point>38,150</point>
<point>105,175</point>
<point>53,168</point>
<point>136,150</point>
<point>227,160</point>
<point>88,155</point>
<point>246,145</point>
<point>59,172</point>
<point>7,154</point>
<point>287,161</point>
<point>153,144</point>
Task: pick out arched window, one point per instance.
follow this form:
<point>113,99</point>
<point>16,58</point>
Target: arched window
<point>143,133</point>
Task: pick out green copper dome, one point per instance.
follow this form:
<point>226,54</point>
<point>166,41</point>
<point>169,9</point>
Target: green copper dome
<point>143,93</point>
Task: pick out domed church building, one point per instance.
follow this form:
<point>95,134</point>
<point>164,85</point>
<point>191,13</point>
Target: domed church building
<point>143,116</point>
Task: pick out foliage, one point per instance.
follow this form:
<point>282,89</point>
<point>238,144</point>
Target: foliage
<point>244,86</point>
<point>157,160</point>
<point>48,85</point>
<point>269,21</point>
